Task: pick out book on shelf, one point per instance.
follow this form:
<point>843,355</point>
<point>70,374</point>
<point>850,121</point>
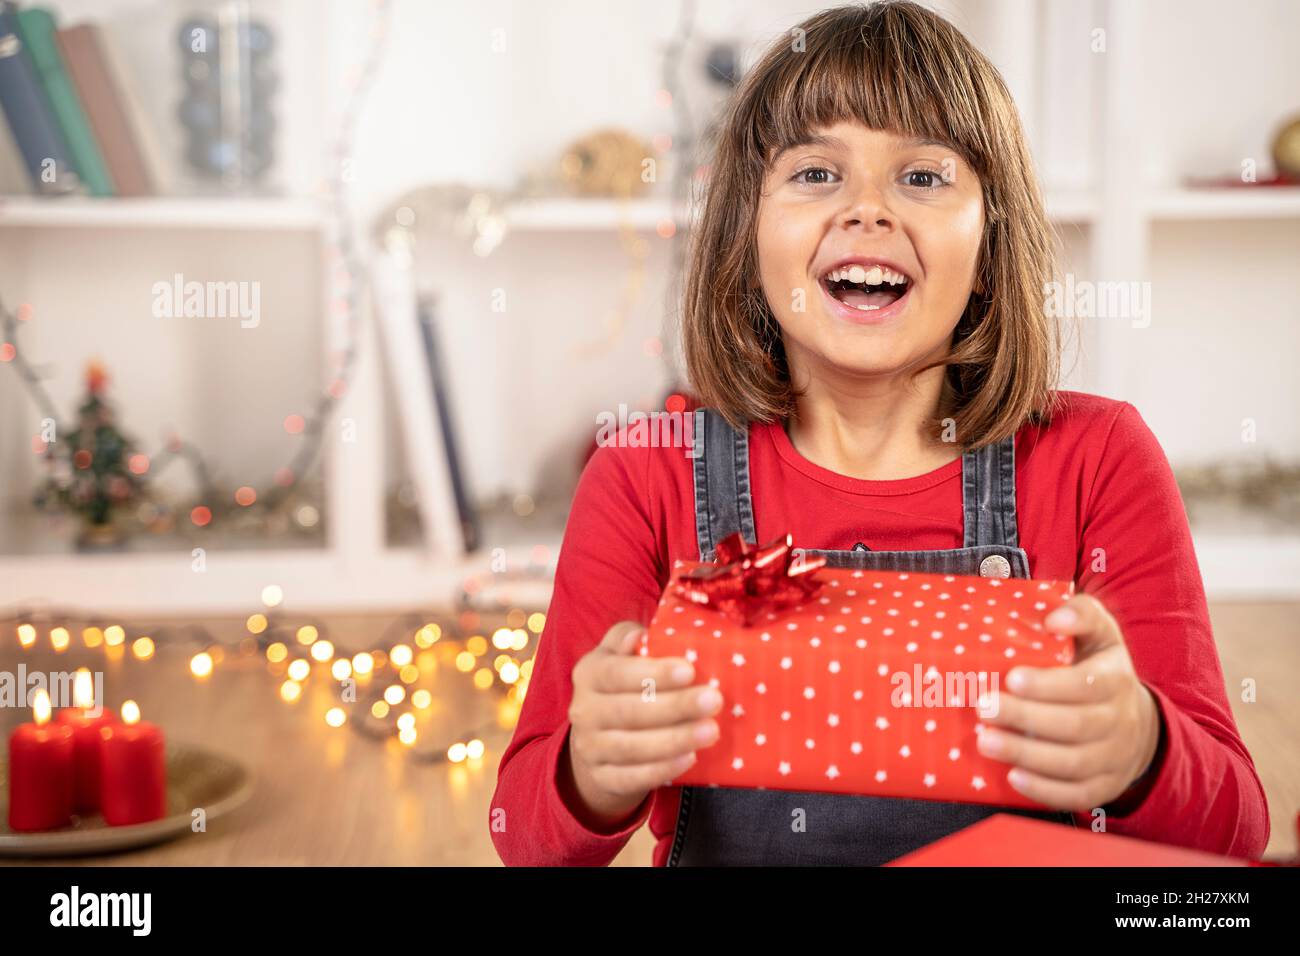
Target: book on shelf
<point>426,314</point>
<point>13,173</point>
<point>83,49</point>
<point>36,131</point>
<point>37,31</point>
<point>72,125</point>
<point>432,474</point>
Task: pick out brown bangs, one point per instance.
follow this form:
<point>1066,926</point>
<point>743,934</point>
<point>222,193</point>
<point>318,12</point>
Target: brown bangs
<point>878,76</point>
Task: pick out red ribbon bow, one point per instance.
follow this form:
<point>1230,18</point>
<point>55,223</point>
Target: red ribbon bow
<point>747,581</point>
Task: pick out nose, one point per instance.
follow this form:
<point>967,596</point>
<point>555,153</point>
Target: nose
<point>868,208</point>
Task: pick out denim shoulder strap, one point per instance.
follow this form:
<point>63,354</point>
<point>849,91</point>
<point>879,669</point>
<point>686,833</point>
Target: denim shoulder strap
<point>723,504</point>
<point>988,492</point>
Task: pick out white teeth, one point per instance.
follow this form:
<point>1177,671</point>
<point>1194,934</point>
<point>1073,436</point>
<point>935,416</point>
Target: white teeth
<point>874,275</point>
<point>866,308</point>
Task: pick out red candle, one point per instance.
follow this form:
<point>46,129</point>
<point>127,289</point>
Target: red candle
<point>87,744</point>
<point>133,770</point>
<point>40,771</point>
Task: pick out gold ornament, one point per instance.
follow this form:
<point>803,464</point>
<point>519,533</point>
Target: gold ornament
<point>607,163</point>
<point>1286,149</point>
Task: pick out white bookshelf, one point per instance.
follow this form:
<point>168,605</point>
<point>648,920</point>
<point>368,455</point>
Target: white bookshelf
<point>567,215</point>
<point>1271,202</point>
<point>249,214</point>
<point>1113,216</point>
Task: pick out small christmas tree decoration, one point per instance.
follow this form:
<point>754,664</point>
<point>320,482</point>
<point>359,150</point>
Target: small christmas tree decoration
<point>95,470</point>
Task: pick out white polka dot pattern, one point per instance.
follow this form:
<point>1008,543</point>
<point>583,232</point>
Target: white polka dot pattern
<point>875,693</point>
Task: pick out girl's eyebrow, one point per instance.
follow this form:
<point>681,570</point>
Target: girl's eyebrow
<point>927,141</point>
<point>811,139</point>
<point>834,142</point>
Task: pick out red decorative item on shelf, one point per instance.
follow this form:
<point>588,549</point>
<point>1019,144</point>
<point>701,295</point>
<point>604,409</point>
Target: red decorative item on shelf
<point>845,681</point>
<point>133,785</point>
<point>87,742</point>
<point>40,772</point>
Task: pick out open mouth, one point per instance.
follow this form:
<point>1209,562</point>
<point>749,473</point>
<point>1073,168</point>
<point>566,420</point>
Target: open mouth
<point>865,288</point>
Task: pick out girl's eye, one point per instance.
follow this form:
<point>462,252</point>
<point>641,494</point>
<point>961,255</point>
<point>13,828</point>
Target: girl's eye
<point>820,176</point>
<point>925,179</point>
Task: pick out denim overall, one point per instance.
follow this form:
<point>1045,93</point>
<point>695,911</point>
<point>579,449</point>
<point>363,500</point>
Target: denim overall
<point>719,826</point>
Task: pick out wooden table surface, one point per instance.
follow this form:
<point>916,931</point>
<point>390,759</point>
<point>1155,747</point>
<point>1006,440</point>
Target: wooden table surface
<point>322,795</point>
<point>327,796</point>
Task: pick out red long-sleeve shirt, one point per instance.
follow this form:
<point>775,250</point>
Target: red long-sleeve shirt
<point>1097,503</point>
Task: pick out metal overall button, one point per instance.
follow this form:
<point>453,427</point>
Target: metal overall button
<point>995,566</point>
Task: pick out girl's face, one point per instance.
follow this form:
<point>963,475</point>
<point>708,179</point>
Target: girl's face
<point>868,244</point>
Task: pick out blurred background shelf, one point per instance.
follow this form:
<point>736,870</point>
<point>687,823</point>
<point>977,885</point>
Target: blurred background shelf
<point>567,214</point>
<point>196,213</point>
<point>590,323</point>
<point>1265,202</point>
<point>146,583</point>
<point>1272,572</point>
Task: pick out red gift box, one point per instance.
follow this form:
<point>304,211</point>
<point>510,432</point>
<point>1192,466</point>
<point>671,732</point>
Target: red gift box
<point>870,684</point>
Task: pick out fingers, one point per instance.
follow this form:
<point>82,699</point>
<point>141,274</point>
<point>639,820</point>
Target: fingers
<point>1077,795</point>
<point>1060,776</point>
<point>1084,617</point>
<point>622,637</point>
<point>1045,757</point>
<point>1063,723</point>
<point>639,779</point>
<point>1095,679</point>
<point>640,747</point>
<point>612,668</point>
<point>651,676</point>
<point>641,712</point>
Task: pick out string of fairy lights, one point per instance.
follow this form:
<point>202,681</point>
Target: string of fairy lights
<point>379,688</point>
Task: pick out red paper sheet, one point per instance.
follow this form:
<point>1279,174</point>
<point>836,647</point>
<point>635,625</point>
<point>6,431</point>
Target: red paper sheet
<point>1008,840</point>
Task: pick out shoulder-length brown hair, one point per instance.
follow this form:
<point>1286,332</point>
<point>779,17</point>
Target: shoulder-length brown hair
<point>893,66</point>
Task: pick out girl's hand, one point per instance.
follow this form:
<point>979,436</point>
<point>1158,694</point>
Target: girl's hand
<point>1078,736</point>
<point>636,723</point>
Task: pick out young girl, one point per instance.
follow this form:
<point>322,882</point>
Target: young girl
<point>864,320</point>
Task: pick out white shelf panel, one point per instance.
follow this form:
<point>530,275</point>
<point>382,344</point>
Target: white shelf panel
<point>1249,567</point>
<point>269,214</point>
<point>318,580</point>
<point>1070,206</point>
<point>577,215</point>
<point>1264,202</point>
